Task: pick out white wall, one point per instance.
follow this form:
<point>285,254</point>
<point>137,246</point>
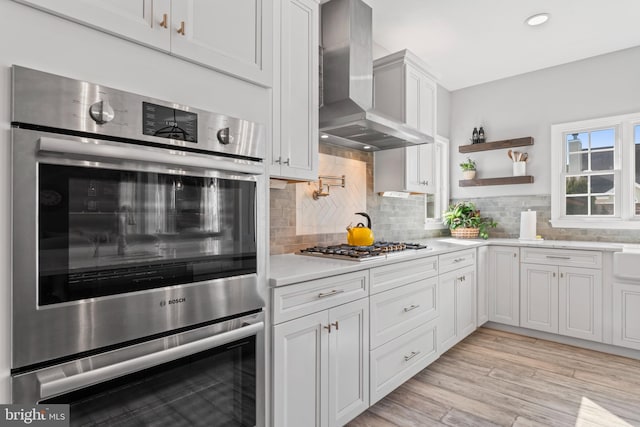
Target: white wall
<point>35,39</point>
<point>527,105</point>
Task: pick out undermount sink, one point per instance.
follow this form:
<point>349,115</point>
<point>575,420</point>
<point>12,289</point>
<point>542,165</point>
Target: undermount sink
<point>626,264</point>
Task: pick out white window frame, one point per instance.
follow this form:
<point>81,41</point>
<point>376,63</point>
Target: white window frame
<point>441,176</point>
<point>623,169</point>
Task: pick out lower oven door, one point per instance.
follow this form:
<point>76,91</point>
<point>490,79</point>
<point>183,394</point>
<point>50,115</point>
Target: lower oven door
<point>211,376</point>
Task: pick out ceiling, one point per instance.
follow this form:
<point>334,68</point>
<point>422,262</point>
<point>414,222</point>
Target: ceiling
<point>468,42</point>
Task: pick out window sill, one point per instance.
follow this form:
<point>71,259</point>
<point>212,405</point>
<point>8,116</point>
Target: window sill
<point>432,224</point>
<point>609,224</point>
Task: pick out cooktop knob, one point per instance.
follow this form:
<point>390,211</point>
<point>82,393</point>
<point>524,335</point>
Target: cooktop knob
<point>101,112</point>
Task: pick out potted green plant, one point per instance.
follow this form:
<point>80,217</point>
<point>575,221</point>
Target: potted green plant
<point>465,222</point>
<point>468,168</point>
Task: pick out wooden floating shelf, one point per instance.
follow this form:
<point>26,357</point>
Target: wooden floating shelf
<point>507,180</point>
<point>496,145</point>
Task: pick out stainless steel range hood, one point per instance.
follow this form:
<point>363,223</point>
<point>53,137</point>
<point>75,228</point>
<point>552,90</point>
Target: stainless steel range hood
<point>347,113</point>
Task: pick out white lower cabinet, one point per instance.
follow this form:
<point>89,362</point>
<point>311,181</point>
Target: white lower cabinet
<point>539,297</point>
<point>457,307</point>
<point>398,360</point>
<point>561,299</point>
<point>321,366</point>
<point>626,315</point>
<point>504,284</point>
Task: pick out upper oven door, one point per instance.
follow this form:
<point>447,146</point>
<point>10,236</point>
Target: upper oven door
<point>113,229</point>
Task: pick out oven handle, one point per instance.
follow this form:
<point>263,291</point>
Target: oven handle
<point>148,155</point>
<point>106,373</point>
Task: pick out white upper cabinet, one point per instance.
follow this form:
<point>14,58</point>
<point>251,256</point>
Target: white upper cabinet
<point>295,132</point>
<point>404,91</point>
<point>409,169</point>
<point>231,36</point>
<point>138,20</point>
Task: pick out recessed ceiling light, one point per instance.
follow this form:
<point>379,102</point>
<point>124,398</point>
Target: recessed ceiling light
<point>367,147</point>
<point>537,19</point>
<point>324,136</point>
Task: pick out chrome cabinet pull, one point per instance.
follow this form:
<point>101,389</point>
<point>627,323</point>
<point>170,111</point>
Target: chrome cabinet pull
<point>335,324</point>
<point>279,161</point>
<point>558,257</point>
<point>561,275</point>
<point>287,162</point>
<point>458,260</point>
<point>411,355</point>
<point>328,327</point>
<point>554,274</point>
<point>462,278</point>
<point>411,307</point>
<point>330,293</point>
<point>181,29</point>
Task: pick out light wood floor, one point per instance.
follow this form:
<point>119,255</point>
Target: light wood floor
<point>497,378</point>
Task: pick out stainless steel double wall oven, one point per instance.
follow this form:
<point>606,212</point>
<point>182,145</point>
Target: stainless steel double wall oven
<point>138,273</point>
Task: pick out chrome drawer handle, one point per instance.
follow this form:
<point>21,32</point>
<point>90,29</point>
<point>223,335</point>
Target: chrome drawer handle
<point>458,260</point>
<point>558,257</point>
<point>411,355</point>
<point>330,293</point>
<point>411,307</point>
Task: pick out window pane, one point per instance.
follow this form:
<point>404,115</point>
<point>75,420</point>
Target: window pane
<point>604,138</point>
<point>577,152</point>
<point>431,206</point>
<point>602,160</point>
<point>577,185</point>
<point>577,205</point>
<point>602,184</point>
<point>602,205</point>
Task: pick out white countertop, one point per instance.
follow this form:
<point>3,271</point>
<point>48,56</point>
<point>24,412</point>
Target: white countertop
<point>291,268</point>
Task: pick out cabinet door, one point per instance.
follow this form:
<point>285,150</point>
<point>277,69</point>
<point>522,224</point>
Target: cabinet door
<point>295,153</point>
<point>539,297</point>
<point>465,303</point>
<point>233,36</point>
<point>626,315</point>
<point>348,361</point>
<point>300,366</point>
<point>420,100</point>
<point>136,20</point>
<point>447,319</point>
<point>580,303</point>
<point>482,282</point>
<point>504,285</point>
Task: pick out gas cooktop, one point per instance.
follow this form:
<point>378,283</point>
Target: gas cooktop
<point>362,253</point>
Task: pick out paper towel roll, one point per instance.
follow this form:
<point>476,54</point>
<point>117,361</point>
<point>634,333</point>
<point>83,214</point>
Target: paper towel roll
<point>528,225</point>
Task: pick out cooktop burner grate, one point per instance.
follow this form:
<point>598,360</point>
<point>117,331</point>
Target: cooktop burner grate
<point>360,253</point>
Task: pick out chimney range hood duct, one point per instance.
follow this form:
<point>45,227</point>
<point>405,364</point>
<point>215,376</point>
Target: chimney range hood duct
<point>347,112</point>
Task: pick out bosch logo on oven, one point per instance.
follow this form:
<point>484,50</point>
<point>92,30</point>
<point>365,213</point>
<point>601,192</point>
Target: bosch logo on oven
<point>180,300</point>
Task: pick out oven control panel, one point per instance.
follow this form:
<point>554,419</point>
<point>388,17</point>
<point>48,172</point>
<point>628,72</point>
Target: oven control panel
<point>170,123</point>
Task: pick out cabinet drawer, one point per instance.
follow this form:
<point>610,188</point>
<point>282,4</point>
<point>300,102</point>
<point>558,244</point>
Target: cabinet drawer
<point>402,273</point>
<point>455,260</point>
<point>566,257</point>
<point>399,310</point>
<point>395,362</point>
<point>290,302</point>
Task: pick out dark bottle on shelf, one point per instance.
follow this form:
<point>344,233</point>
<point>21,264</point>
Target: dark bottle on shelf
<point>481,138</point>
<point>474,136</point>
